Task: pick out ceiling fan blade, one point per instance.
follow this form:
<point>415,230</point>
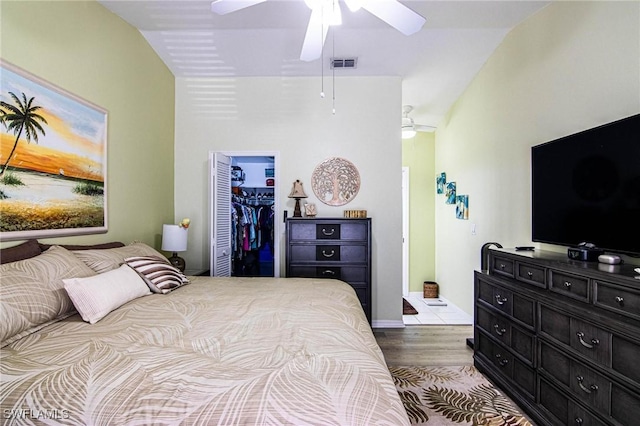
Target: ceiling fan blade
<point>424,128</point>
<point>395,14</point>
<point>222,7</point>
<point>315,36</point>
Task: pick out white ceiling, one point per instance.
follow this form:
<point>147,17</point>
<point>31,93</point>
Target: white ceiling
<point>436,64</point>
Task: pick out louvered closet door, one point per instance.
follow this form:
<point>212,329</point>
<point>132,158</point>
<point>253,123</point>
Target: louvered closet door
<point>221,217</point>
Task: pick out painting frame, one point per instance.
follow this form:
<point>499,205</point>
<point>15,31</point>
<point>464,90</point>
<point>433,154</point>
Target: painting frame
<point>462,207</point>
<point>450,193</point>
<point>64,164</point>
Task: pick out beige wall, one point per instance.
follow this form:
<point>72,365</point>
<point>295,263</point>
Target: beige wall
<point>287,115</point>
<point>418,154</point>
<point>86,50</point>
<point>572,66</point>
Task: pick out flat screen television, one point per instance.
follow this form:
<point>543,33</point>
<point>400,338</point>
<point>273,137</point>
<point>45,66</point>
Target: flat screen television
<point>586,188</point>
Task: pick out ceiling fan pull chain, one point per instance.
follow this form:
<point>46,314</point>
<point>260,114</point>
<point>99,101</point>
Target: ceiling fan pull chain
<point>333,70</point>
<point>322,54</point>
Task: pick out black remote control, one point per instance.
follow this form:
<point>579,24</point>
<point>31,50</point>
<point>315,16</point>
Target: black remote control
<point>525,248</point>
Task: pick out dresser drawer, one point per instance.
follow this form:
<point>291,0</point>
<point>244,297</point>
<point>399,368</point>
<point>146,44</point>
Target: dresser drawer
<point>625,358</point>
<point>591,341</point>
<point>590,387</point>
<point>502,266</point>
<point>574,286</point>
<point>565,410</point>
<point>499,328</point>
<point>531,274</point>
<point>328,231</point>
<point>618,299</point>
<point>508,365</point>
<point>521,341</point>
<point>302,230</point>
<point>586,384</point>
<point>350,274</point>
<point>514,305</point>
<point>327,253</point>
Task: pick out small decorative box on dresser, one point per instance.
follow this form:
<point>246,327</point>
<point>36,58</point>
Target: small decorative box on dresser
<point>332,248</point>
<point>561,337</point>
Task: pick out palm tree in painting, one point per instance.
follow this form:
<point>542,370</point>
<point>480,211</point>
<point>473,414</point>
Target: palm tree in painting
<point>19,118</point>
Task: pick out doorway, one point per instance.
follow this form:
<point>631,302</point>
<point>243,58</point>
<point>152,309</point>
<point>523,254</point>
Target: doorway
<point>405,231</point>
<point>244,232</point>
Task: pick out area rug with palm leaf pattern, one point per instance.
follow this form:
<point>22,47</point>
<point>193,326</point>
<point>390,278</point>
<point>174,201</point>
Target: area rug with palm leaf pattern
<point>453,395</point>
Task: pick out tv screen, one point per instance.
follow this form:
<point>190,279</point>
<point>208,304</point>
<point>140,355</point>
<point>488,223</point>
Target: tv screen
<point>586,188</point>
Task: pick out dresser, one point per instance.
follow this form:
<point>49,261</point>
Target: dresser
<point>336,248</point>
<point>561,337</point>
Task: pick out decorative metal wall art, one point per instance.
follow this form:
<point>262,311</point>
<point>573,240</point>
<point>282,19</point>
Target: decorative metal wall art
<point>335,181</point>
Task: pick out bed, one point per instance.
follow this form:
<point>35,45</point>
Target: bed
<point>229,351</point>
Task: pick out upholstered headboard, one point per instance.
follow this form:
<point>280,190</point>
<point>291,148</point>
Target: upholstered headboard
<point>32,248</point>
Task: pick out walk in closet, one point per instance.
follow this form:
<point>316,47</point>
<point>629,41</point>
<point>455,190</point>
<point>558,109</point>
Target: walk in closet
<point>243,225</point>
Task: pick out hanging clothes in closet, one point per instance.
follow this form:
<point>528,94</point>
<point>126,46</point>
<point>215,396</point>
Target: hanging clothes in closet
<point>251,233</point>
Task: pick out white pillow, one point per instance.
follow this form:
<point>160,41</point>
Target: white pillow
<point>94,297</point>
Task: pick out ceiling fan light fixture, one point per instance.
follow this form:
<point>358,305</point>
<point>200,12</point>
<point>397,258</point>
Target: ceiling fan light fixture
<point>408,128</point>
<point>408,133</point>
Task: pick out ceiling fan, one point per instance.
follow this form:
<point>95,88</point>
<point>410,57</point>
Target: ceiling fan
<point>325,13</point>
<point>409,128</point>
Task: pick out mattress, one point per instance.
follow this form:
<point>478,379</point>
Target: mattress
<point>227,351</point>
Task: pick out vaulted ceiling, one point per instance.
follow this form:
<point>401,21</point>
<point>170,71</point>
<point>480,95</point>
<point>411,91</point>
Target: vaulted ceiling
<point>436,63</point>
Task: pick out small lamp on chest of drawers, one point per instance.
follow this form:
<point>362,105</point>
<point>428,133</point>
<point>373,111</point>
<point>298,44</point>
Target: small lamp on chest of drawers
<point>297,192</point>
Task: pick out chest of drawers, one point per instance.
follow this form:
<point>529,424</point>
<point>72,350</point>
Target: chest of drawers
<point>332,248</point>
<point>561,337</point>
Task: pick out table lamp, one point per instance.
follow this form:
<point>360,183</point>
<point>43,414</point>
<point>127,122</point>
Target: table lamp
<point>297,192</point>
<point>174,239</point>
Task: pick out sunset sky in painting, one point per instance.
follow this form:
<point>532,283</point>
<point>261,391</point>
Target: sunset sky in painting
<point>75,136</point>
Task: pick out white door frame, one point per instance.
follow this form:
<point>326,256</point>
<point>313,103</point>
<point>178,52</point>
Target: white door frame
<point>276,200</point>
<point>405,231</point>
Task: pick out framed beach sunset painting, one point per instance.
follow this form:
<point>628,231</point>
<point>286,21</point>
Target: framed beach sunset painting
<point>53,160</point>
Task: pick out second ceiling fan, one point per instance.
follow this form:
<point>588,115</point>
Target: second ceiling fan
<point>325,13</point>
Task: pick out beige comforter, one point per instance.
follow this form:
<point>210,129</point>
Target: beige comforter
<point>227,351</point>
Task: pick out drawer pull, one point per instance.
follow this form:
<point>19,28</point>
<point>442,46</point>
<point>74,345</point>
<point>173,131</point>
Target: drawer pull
<point>500,300</point>
<point>567,284</point>
<point>328,234</point>
<point>594,342</point>
<point>578,420</point>
<point>502,361</point>
<point>328,272</point>
<point>499,331</point>
<point>620,300</point>
<point>585,389</point>
<point>502,266</point>
<point>529,274</point>
<point>325,254</point>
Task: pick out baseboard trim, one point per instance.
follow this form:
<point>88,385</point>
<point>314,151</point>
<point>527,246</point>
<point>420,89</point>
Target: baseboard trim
<point>387,324</point>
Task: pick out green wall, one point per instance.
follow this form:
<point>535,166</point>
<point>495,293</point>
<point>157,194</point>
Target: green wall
<point>570,67</point>
<point>418,154</point>
<point>85,49</point>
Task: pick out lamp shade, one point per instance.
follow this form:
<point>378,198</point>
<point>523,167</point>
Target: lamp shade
<point>297,191</point>
<point>408,128</point>
<point>174,238</point>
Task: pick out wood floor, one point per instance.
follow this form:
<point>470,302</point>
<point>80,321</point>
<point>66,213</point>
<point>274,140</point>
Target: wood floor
<point>426,345</point>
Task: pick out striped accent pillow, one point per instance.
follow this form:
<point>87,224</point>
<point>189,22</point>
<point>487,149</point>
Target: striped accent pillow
<point>160,275</point>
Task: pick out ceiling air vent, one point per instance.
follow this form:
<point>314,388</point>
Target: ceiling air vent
<point>344,62</point>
